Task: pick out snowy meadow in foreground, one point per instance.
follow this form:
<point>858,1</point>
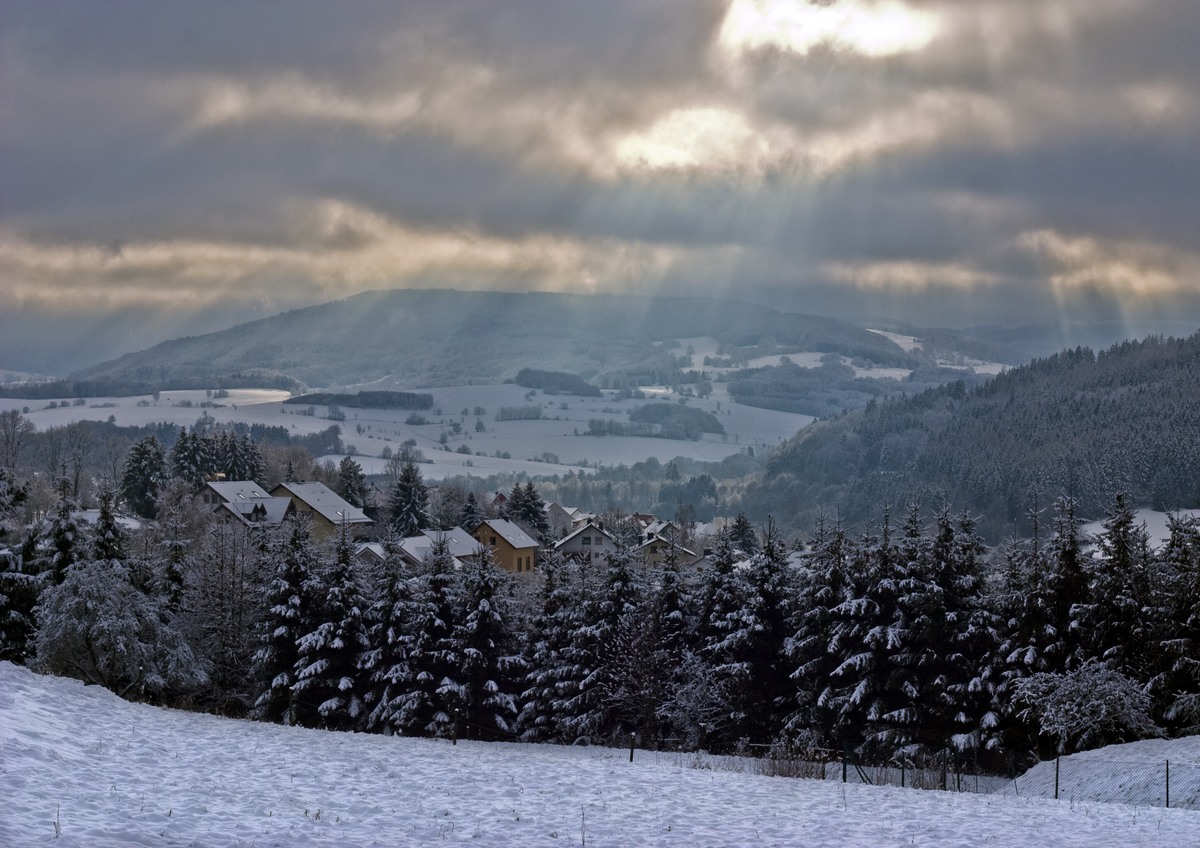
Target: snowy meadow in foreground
<point>80,767</point>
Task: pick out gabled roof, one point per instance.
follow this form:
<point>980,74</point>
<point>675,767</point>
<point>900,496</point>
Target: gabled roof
<point>657,528</point>
<point>590,525</point>
<point>325,502</point>
<point>659,539</point>
<point>459,542</point>
<point>265,511</point>
<point>509,532</point>
<point>233,491</point>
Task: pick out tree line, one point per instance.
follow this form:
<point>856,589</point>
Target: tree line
<point>905,639</point>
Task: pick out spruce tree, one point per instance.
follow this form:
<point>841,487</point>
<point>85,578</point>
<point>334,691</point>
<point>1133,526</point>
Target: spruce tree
<point>19,588</point>
<point>287,617</point>
<point>472,513</point>
<point>488,642</point>
<point>435,697</point>
<point>557,617</point>
<point>408,501</point>
<point>388,624</point>
<point>329,688</point>
<point>352,482</point>
<point>144,474</point>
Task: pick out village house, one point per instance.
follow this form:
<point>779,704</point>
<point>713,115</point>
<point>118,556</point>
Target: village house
<point>512,548</point>
<point>246,502</point>
<point>586,543</point>
<point>657,549</point>
<point>328,510</point>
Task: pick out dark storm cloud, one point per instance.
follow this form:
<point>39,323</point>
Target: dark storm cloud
<point>994,160</point>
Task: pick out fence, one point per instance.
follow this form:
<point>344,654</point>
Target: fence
<point>1142,784</point>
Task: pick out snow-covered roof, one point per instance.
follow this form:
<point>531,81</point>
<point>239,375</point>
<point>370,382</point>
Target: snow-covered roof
<point>325,502</point>
<point>232,491</point>
<point>269,510</point>
<point>590,525</point>
<point>510,532</point>
<point>459,542</point>
<point>659,540</point>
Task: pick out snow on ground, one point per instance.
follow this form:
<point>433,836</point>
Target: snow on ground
<point>1136,773</point>
<point>552,445</point>
<point>109,773</point>
<point>1155,522</point>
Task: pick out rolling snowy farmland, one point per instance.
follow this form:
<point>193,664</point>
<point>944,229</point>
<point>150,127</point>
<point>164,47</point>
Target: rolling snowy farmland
<point>559,433</point>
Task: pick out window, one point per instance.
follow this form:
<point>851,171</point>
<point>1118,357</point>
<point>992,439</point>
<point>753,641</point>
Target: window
<point>586,540</point>
<point>493,542</point>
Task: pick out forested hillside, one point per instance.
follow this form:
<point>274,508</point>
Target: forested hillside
<point>1076,423</point>
<point>446,337</point>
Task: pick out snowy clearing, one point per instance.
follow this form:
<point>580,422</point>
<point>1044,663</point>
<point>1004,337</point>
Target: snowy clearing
<point>554,444</point>
<point>79,762</point>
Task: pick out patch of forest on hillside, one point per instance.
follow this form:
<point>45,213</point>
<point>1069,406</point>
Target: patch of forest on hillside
<point>1078,423</point>
<point>556,382</point>
<point>368,400</point>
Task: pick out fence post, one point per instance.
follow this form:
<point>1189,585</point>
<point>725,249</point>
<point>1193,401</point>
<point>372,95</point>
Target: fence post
<point>1168,784</point>
<point>1057,760</point>
<point>902,774</point>
<point>845,757</point>
<point>945,767</point>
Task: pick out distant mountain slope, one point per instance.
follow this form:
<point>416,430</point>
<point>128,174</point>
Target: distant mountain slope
<point>444,337</point>
<point>1074,423</point>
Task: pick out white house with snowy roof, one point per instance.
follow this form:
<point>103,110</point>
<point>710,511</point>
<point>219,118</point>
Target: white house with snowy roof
<point>586,543</point>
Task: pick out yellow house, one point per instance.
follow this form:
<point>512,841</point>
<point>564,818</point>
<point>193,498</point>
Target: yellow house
<point>512,548</point>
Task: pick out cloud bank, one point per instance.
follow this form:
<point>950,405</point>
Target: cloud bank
<point>1000,161</point>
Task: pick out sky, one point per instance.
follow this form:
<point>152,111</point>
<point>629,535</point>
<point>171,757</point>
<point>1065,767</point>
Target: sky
<point>173,168</point>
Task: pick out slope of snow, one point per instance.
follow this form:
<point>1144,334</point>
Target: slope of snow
<point>110,773</point>
<point>1154,521</point>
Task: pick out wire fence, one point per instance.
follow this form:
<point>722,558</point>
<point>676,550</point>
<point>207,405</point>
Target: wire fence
<point>1143,784</point>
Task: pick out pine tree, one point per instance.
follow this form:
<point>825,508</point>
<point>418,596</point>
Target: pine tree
<point>823,586</point>
<point>472,514</point>
<point>408,501</point>
<point>66,537</point>
<point>329,687</point>
<point>754,645</point>
<point>19,589</point>
<point>287,618</point>
<point>488,643</point>
<point>1119,620</point>
<point>388,623</point>
<point>1177,686</point>
<point>144,474</point>
<point>108,541</point>
<point>352,482</point>
<point>188,461</point>
<point>548,650</point>
<point>721,599</point>
<point>435,697</point>
<point>859,690</point>
<point>742,536</point>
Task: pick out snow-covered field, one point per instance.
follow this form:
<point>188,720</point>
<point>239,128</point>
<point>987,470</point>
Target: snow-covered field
<point>1155,523</point>
<point>79,767</point>
<point>523,446</point>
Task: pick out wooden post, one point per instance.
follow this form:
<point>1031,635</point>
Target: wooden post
<point>1057,760</point>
